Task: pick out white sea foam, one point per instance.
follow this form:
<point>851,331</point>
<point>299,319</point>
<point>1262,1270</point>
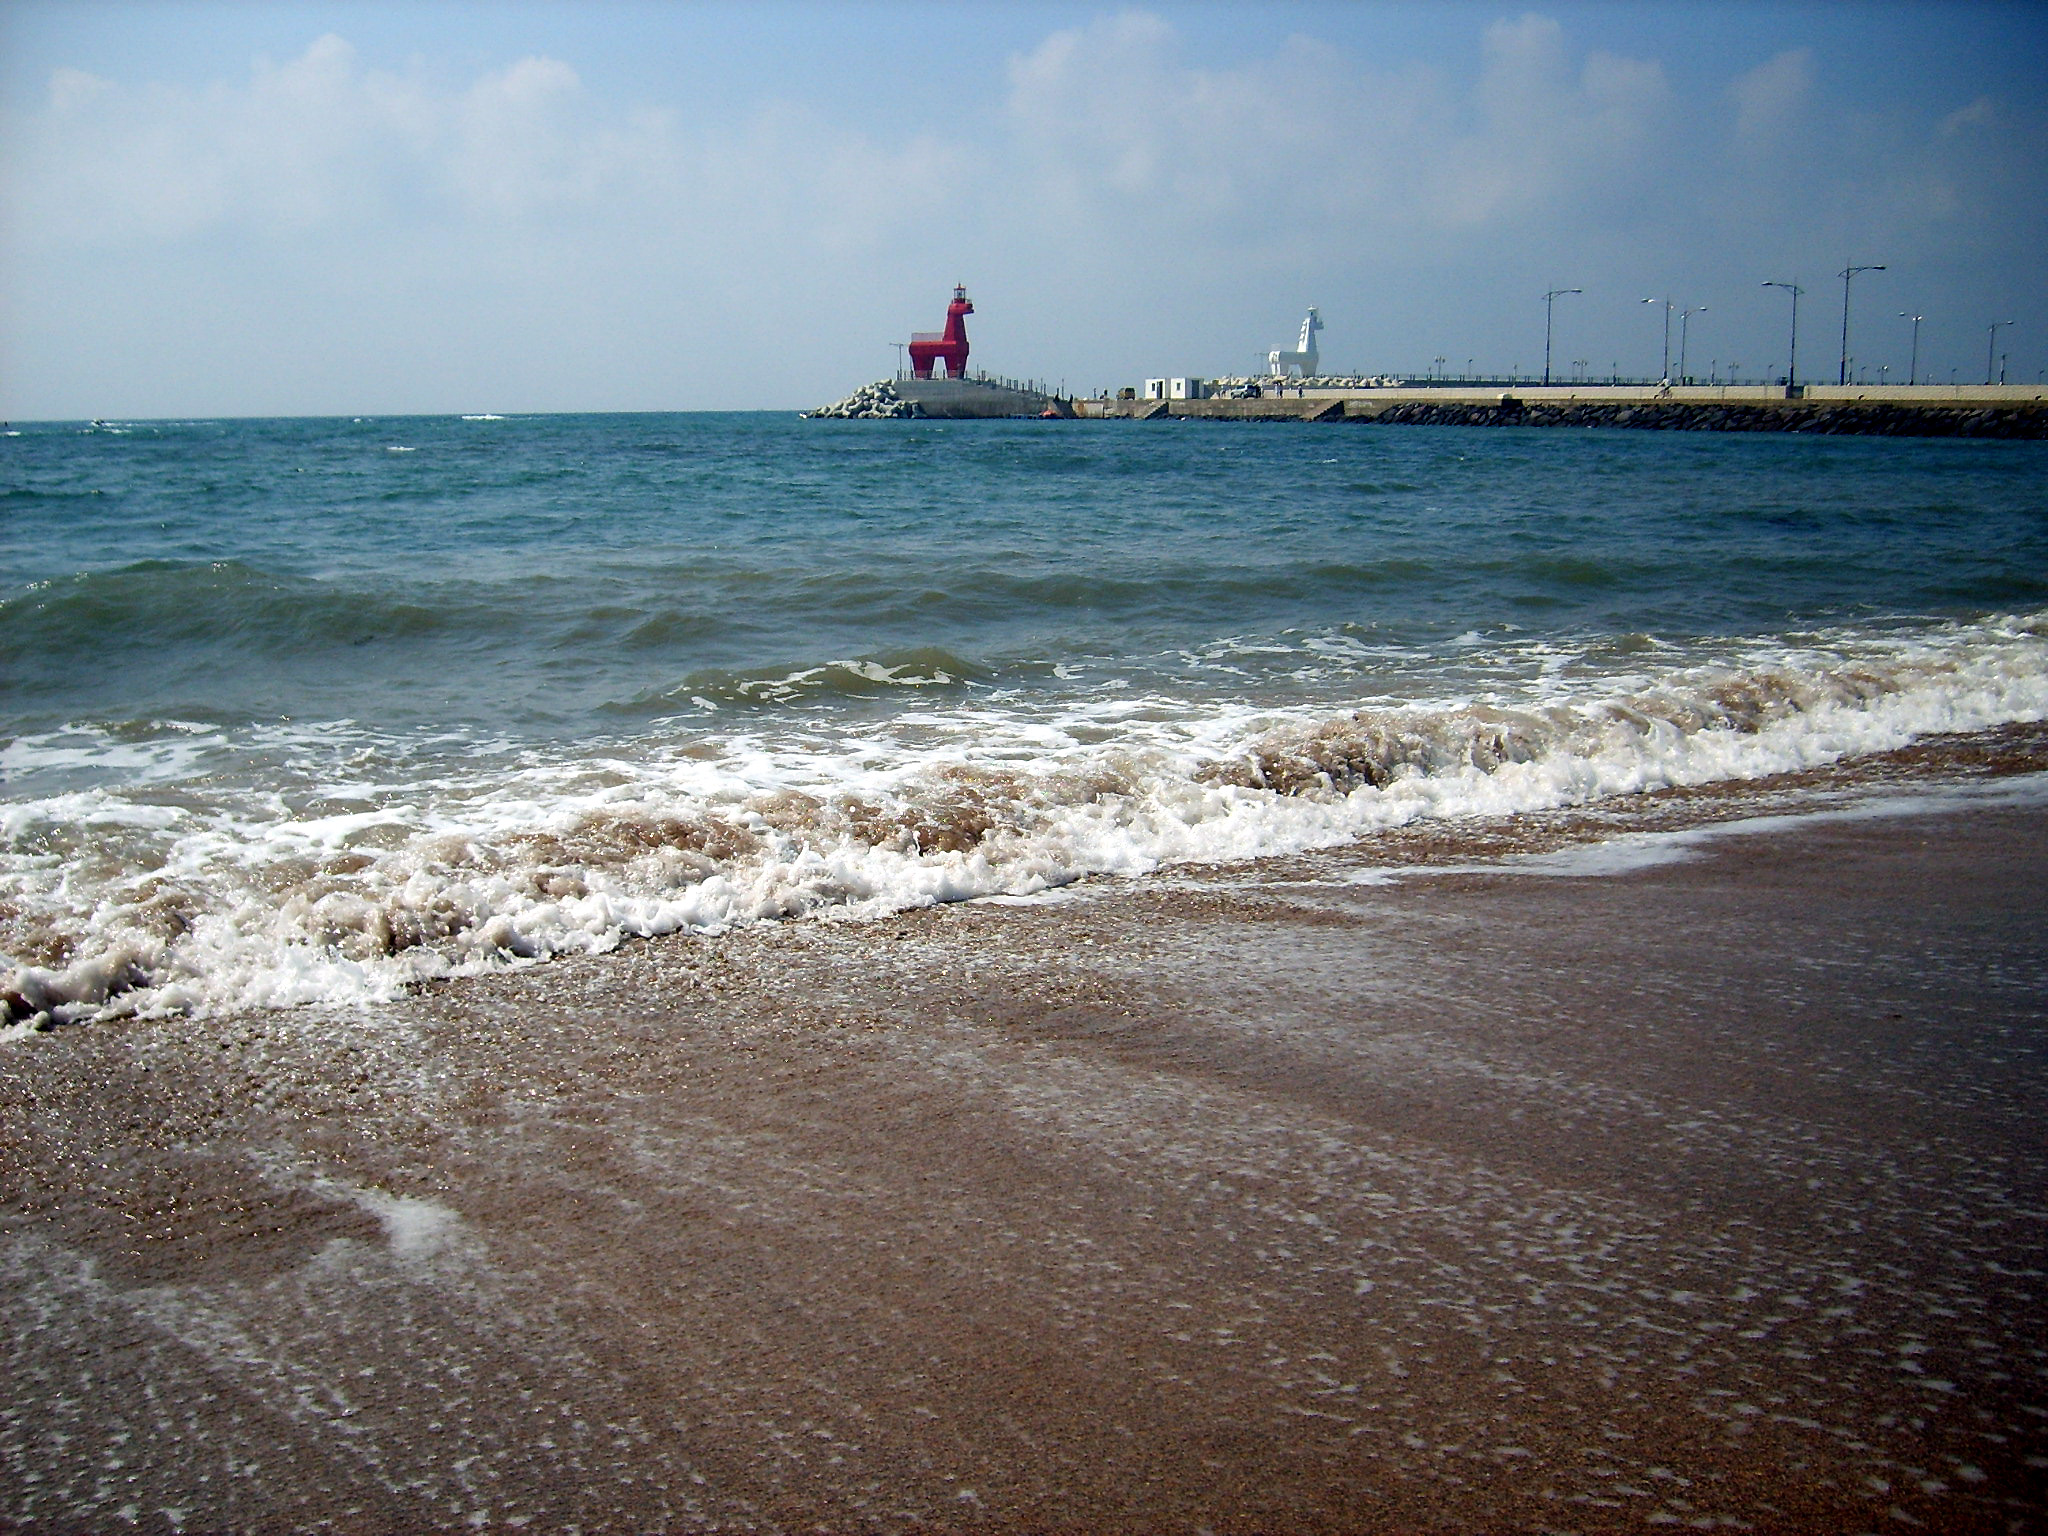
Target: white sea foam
<point>170,753</point>
<point>1635,851</point>
<point>346,867</point>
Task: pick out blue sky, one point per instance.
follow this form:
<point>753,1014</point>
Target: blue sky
<point>243,208</point>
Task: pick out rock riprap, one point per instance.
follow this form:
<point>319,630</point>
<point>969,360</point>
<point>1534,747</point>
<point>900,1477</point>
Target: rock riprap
<point>871,402</point>
<point>1844,418</point>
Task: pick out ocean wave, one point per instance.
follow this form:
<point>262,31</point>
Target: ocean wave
<point>158,605</point>
<point>880,675</point>
<point>121,901</point>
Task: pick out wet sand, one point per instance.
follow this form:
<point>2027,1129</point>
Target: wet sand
<point>1710,1194</point>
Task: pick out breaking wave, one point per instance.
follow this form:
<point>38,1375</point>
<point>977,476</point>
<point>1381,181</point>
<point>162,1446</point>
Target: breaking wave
<point>883,675</point>
<point>394,864</point>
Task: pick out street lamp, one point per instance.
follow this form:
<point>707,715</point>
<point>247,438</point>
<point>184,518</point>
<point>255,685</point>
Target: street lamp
<point>1913,368</point>
<point>1847,273</point>
<point>1792,350</point>
<point>1548,299</point>
<point>1665,374</point>
<point>1991,348</point>
<point>1684,326</point>
<point>899,357</point>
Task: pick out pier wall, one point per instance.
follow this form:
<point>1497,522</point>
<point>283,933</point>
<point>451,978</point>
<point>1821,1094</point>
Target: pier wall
<point>1897,410</point>
<point>958,399</point>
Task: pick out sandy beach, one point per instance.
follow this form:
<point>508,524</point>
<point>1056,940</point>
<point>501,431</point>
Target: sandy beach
<point>1406,1188</point>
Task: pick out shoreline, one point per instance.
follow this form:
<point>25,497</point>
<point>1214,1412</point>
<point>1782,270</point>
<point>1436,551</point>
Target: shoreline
<point>1240,1198</point>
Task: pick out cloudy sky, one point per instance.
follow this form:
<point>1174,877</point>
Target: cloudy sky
<point>229,207</point>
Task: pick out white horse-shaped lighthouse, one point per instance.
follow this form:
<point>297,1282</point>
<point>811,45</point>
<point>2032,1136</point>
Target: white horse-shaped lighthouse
<point>1303,356</point>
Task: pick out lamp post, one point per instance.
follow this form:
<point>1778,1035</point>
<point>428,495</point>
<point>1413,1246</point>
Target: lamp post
<point>1549,299</point>
<point>1792,348</point>
<point>1665,372</point>
<point>1684,327</point>
<point>899,357</point>
<point>1847,273</point>
<point>1991,349</point>
<point>1913,368</point>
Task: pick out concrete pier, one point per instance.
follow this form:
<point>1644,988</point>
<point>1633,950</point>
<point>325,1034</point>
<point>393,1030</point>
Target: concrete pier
<point>1892,410</point>
<point>957,399</point>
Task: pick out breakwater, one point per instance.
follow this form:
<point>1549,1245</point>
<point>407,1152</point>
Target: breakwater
<point>1987,413</point>
<point>1842,417</point>
<point>943,400</point>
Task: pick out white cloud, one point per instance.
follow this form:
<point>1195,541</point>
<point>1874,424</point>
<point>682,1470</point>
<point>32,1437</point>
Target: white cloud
<point>1544,138</point>
<point>1769,98</point>
<point>1314,147</point>
<point>1981,113</point>
<point>314,141</point>
<point>513,143</point>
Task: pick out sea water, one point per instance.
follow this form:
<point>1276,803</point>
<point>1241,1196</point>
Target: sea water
<point>310,710</point>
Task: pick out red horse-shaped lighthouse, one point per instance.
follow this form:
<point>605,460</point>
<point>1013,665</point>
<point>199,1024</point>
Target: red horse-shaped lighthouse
<point>948,346</point>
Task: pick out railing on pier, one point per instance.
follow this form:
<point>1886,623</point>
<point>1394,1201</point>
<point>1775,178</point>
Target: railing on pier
<point>1003,381</point>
